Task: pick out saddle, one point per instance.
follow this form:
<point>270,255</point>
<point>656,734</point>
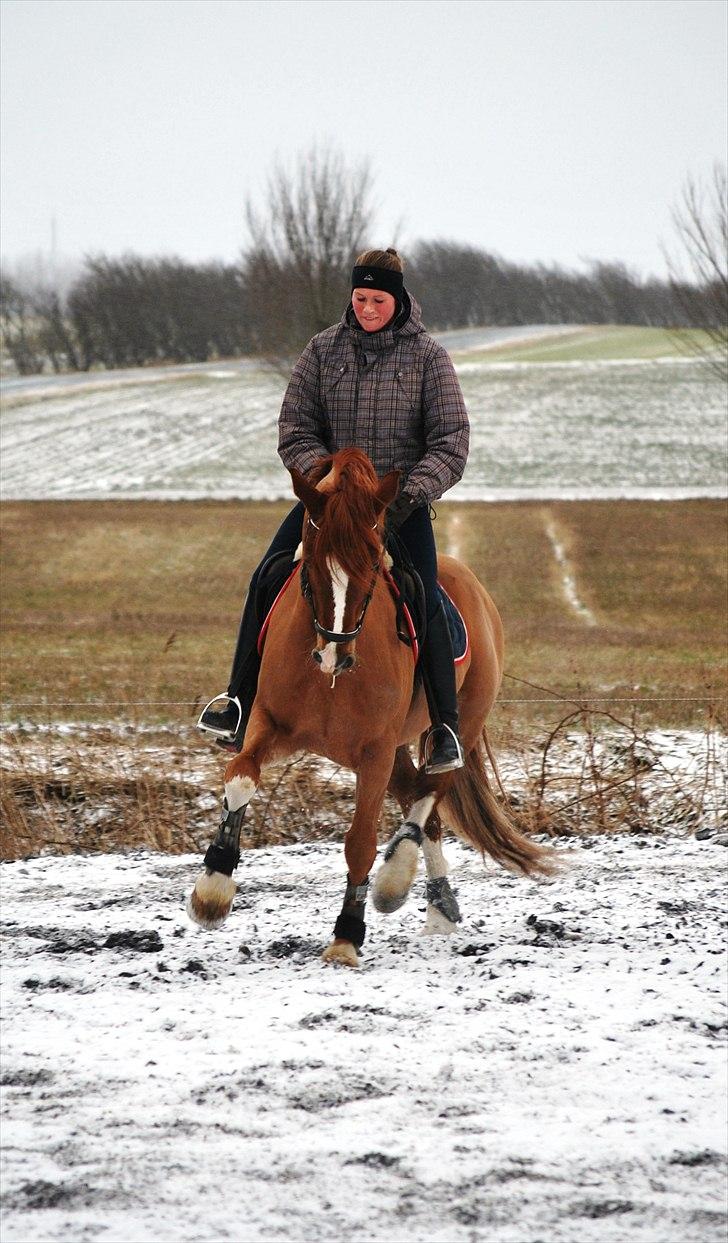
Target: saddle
<point>406,587</point>
<point>409,596</point>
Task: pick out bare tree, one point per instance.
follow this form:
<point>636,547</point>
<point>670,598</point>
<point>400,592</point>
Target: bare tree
<point>700,218</point>
<point>314,221</point>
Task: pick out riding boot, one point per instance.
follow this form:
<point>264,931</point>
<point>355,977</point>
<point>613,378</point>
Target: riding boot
<point>443,751</point>
<point>229,723</point>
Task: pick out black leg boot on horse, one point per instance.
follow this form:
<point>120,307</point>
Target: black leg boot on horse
<point>442,750</point>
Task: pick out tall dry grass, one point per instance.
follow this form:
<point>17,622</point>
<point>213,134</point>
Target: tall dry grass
<point>590,771</point>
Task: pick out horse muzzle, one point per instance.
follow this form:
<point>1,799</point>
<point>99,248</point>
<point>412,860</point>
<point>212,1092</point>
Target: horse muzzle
<point>342,664</point>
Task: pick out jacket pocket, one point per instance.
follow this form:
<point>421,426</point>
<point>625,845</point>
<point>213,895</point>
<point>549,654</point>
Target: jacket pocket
<point>332,376</point>
<point>409,385</point>
<point>333,391</point>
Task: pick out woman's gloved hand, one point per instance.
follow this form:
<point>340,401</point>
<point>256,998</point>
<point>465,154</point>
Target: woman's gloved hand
<point>400,510</point>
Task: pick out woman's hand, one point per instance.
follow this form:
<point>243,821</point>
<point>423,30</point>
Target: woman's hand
<point>400,510</point>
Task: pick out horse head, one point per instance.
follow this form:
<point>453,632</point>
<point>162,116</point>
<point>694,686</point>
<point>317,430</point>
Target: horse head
<point>342,549</point>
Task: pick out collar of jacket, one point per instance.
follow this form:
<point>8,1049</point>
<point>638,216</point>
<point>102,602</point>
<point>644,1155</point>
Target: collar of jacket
<point>386,338</point>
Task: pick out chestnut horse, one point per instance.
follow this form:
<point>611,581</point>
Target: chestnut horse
<point>335,680</point>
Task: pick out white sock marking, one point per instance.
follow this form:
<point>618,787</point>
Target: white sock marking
<point>239,792</point>
<point>420,810</point>
<point>435,861</point>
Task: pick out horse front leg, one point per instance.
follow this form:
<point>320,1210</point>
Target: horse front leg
<point>360,851</point>
<point>211,899</point>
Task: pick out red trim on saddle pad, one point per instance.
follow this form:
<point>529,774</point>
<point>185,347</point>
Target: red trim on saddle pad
<point>269,614</point>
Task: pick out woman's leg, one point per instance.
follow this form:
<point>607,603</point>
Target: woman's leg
<point>228,724</point>
<point>437,656</point>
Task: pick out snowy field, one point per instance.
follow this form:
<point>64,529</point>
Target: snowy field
<point>591,429</point>
<point>553,1072</point>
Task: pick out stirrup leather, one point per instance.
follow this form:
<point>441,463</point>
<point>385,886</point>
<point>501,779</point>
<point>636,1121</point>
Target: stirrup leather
<point>226,734</point>
<point>456,762</point>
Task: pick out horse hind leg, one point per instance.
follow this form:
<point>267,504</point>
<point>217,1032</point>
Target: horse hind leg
<point>443,912</point>
<point>401,857</point>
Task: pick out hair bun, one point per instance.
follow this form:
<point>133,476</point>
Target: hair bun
<point>392,251</point>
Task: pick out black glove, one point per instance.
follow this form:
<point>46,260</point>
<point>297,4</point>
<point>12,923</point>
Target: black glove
<point>400,510</point>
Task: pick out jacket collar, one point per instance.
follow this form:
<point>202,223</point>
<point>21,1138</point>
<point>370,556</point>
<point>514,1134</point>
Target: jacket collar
<point>386,338</point>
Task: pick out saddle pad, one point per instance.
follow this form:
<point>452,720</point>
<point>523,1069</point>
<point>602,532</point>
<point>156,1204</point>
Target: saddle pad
<point>456,622</point>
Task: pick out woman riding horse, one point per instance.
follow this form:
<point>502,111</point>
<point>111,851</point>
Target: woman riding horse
<point>379,382</point>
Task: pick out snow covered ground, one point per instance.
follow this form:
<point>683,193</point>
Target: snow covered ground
<point>594,429</point>
<point>553,1072</point>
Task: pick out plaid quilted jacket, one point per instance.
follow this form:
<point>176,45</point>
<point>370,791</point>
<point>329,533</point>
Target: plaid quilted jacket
<point>392,393</point>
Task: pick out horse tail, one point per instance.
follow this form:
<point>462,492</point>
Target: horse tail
<point>471,808</point>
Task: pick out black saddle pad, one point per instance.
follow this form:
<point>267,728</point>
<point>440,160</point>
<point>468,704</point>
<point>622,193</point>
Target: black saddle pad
<point>458,629</point>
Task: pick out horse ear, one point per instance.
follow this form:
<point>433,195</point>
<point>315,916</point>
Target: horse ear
<point>388,488</point>
<point>314,501</point>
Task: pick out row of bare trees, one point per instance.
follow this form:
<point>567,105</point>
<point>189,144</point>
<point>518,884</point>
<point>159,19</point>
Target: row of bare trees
<point>291,282</point>
<point>126,312</point>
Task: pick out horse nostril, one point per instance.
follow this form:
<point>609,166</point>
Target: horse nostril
<point>347,662</point>
<point>317,655</point>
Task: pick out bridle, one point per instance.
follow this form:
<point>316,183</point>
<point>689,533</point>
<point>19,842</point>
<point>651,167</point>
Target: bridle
<point>333,636</point>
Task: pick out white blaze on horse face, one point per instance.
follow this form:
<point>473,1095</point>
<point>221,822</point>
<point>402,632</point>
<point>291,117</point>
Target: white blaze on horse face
<point>339,587</point>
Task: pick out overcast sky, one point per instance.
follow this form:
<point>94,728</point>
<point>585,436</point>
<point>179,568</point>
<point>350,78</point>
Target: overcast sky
<point>541,130</point>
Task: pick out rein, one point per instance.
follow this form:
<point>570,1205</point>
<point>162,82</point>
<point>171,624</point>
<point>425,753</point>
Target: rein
<point>333,636</point>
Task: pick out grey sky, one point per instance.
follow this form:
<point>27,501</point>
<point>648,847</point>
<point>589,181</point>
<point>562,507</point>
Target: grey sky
<point>553,130</point>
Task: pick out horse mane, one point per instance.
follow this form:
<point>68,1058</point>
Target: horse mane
<point>346,526</point>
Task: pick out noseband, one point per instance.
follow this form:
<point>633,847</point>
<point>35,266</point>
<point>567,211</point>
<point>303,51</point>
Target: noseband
<point>332,636</point>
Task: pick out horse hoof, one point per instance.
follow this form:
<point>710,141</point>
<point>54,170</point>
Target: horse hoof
<point>209,903</point>
<point>394,878</point>
<point>341,952</point>
<point>437,924</point>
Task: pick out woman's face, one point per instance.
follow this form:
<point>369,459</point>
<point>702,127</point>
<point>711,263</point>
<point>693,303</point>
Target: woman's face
<point>373,308</point>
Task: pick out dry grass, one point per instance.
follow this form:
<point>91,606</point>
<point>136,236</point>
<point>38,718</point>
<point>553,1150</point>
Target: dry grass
<point>139,601</point>
<point>103,790</point>
<point>157,789</point>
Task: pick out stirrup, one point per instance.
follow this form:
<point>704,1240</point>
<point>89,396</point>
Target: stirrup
<point>457,761</point>
<point>226,735</point>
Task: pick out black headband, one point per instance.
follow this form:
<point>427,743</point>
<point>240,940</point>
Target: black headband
<point>378,278</point>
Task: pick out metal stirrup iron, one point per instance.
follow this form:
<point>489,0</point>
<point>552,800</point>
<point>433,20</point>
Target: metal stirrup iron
<point>227,734</point>
<point>456,762</point>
